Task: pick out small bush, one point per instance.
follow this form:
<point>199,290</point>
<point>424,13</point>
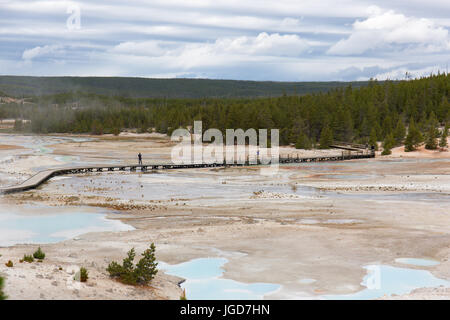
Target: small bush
<point>9,264</point>
<point>28,258</point>
<point>2,284</point>
<point>141,273</point>
<point>39,254</point>
<point>183,295</point>
<point>83,274</point>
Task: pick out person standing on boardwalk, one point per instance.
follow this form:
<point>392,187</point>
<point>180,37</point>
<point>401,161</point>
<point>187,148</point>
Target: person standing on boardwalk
<point>140,158</point>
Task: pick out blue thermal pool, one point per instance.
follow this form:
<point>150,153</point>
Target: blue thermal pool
<point>203,281</point>
<point>44,224</point>
<point>387,280</point>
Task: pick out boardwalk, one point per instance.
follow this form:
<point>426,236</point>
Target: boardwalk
<point>43,176</point>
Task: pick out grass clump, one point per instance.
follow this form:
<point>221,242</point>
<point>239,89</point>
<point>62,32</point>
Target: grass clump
<point>28,258</point>
<point>84,274</point>
<point>2,284</point>
<point>9,264</point>
<point>39,254</point>
<point>183,295</point>
<point>141,273</point>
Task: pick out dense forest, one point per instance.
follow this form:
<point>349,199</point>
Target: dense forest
<point>389,111</point>
<point>161,88</point>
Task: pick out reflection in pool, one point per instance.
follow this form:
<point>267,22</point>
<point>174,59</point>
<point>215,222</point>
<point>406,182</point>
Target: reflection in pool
<point>43,224</point>
<point>387,280</point>
<point>203,281</point>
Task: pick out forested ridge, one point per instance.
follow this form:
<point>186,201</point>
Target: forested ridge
<point>19,86</point>
<point>377,112</point>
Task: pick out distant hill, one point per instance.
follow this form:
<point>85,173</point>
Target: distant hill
<point>157,88</point>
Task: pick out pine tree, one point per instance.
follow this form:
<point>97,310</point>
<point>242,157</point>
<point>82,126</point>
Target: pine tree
<point>18,125</point>
<point>373,141</point>
<point>388,143</point>
<point>443,141</point>
<point>342,125</point>
<point>303,142</point>
<point>387,126</point>
<point>443,110</point>
<point>96,128</point>
<point>144,271</point>
<point>326,138</point>
<point>431,139</point>
<point>432,133</point>
<point>124,272</point>
<point>414,137</point>
<point>399,132</point>
<point>146,267</point>
<point>409,144</point>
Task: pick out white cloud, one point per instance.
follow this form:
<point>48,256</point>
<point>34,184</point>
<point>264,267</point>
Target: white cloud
<point>145,48</point>
<point>384,30</point>
<point>264,44</point>
<point>30,54</point>
<point>221,51</point>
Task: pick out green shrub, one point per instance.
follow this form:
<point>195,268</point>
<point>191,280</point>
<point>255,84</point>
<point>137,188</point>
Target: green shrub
<point>124,272</point>
<point>39,254</point>
<point>28,258</point>
<point>2,284</point>
<point>83,274</point>
<point>141,273</point>
<point>183,295</point>
<point>115,131</point>
<point>9,264</point>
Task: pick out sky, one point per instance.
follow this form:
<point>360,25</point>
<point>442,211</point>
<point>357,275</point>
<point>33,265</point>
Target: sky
<point>277,40</point>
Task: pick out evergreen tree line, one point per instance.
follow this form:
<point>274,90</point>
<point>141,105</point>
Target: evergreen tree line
<point>407,112</point>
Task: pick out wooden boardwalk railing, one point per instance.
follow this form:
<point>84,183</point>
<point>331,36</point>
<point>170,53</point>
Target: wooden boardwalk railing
<point>42,176</point>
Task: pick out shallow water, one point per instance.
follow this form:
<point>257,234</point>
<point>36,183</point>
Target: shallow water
<point>435,197</point>
<point>36,146</point>
<point>203,281</point>
<point>36,142</point>
<point>347,176</point>
<point>185,185</point>
<point>43,224</point>
<point>307,281</point>
<point>169,184</point>
<point>387,280</point>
